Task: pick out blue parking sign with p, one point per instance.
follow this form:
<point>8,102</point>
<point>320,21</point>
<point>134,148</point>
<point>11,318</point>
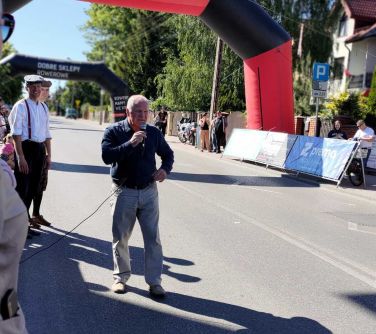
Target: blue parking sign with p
<point>320,72</point>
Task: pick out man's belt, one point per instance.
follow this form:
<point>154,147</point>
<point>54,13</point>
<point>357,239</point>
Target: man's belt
<point>28,141</point>
<point>138,186</point>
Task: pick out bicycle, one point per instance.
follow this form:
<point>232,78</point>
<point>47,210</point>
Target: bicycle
<point>355,172</point>
<point>355,169</point>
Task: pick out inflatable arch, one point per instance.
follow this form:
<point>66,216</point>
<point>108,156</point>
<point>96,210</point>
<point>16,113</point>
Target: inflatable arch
<point>262,43</point>
<point>73,70</point>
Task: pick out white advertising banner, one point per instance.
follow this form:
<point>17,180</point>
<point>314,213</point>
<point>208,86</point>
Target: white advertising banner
<point>245,144</point>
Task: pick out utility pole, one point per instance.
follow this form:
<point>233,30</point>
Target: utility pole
<point>216,78</point>
<point>300,44</point>
<point>101,112</point>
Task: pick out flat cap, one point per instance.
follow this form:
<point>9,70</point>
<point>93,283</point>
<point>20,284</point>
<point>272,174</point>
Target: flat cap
<point>46,83</point>
<point>33,78</point>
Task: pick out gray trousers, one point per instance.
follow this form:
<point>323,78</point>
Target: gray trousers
<point>127,206</point>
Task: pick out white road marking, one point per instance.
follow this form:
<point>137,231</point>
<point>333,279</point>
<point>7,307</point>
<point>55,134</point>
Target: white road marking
<point>352,226</point>
<point>356,270</point>
<point>355,227</point>
<point>264,190</point>
<point>238,183</point>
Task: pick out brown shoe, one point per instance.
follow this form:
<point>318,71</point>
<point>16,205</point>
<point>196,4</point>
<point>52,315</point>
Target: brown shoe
<point>119,287</point>
<point>41,221</point>
<point>33,222</point>
<point>157,291</point>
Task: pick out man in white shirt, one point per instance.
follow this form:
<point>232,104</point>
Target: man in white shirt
<point>37,199</point>
<point>366,136</point>
<point>29,122</point>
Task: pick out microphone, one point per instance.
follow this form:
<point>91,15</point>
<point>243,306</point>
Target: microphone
<point>143,128</point>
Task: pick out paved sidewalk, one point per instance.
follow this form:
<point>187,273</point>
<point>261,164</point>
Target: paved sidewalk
<point>368,193</point>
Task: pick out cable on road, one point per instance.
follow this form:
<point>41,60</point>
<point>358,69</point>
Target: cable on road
<point>69,232</point>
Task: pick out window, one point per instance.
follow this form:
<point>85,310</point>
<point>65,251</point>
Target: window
<point>338,67</point>
<point>342,29</point>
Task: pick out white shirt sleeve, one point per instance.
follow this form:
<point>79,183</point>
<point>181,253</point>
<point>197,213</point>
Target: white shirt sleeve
<point>48,133</point>
<point>16,118</point>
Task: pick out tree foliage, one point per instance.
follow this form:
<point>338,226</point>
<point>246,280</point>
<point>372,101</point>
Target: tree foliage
<point>186,81</point>
<point>371,104</point>
<point>85,92</point>
<point>350,104</point>
<point>131,42</point>
<point>303,86</point>
<point>10,86</point>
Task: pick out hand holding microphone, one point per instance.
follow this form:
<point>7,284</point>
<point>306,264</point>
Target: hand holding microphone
<point>139,136</point>
<point>143,129</point>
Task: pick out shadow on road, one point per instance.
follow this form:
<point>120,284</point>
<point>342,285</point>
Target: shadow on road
<point>367,301</point>
<point>73,168</point>
<point>59,293</point>
<point>74,129</point>
<point>264,181</point>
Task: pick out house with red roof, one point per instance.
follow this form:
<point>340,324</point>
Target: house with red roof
<point>354,47</point>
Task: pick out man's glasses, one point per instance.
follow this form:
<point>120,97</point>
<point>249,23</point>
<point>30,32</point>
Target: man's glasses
<point>7,26</point>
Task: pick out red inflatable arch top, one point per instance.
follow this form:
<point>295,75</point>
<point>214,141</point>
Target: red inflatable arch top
<point>263,44</point>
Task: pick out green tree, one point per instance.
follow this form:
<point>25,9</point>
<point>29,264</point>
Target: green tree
<point>186,81</point>
<point>10,86</point>
<point>131,42</point>
<point>319,18</point>
<point>86,92</point>
<point>303,87</point>
<point>371,103</point>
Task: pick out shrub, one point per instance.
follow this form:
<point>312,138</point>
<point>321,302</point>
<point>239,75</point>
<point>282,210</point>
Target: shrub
<point>347,104</point>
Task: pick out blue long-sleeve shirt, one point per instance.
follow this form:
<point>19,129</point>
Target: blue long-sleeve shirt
<point>134,165</point>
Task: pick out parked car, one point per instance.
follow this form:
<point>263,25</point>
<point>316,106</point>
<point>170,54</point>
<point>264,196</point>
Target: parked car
<point>71,113</point>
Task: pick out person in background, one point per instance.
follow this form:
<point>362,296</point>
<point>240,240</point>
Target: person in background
<point>37,218</point>
<point>213,138</point>
<point>130,147</point>
<point>162,120</point>
<point>337,132</point>
<point>7,151</point>
<point>366,136</point>
<point>220,125</point>
<point>204,132</point>
<point>4,124</point>
<point>13,230</point>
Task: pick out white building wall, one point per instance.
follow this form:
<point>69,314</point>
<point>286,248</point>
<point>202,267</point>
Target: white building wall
<point>358,58</point>
<point>341,50</point>
<point>371,57</point>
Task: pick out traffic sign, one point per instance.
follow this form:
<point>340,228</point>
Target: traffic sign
<point>321,72</point>
<point>319,93</point>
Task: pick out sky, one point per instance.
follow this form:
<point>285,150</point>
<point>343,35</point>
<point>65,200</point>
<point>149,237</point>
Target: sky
<point>51,29</point>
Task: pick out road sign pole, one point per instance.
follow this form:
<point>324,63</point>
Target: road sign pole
<point>317,128</point>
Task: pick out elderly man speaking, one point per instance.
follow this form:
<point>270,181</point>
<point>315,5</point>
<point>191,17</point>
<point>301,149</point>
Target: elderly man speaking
<point>130,146</point>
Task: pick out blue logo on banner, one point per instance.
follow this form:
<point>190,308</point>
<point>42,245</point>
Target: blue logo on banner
<point>320,72</point>
<point>320,156</point>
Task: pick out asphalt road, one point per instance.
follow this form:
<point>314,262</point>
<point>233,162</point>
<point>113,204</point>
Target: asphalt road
<point>246,250</point>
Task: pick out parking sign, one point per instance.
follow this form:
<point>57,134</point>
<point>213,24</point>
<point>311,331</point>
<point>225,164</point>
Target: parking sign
<point>320,72</point>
